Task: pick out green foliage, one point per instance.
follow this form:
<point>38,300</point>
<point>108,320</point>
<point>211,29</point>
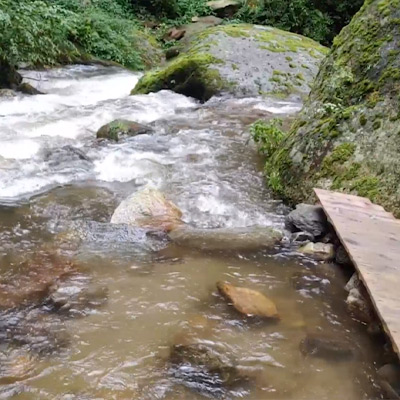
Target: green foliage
<point>317,19</point>
<point>267,135</point>
<point>173,12</point>
<point>47,32</point>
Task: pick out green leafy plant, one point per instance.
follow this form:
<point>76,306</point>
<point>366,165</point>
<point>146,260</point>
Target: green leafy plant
<point>267,135</point>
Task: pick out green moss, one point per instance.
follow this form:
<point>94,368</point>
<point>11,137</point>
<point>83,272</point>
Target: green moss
<point>363,120</point>
<point>288,58</point>
<point>291,65</point>
<point>337,158</point>
<point>190,74</point>
<point>377,124</point>
<point>367,186</point>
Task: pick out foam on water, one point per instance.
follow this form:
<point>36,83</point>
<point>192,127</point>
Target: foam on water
<point>50,140</point>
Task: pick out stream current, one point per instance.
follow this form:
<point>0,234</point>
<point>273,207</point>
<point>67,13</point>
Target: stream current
<point>55,175</point>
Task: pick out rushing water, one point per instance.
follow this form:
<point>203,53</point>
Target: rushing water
<point>54,173</point>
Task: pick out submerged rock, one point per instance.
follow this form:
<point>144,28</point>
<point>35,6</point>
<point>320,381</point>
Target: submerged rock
<point>327,347</point>
<point>346,138</point>
<point>32,285</point>
<point>77,295</point>
<point>389,379</point>
<point>34,328</point>
<point>120,127</point>
<point>227,239</point>
<point>308,218</point>
<point>204,368</point>
<point>228,59</point>
<point>248,301</point>
<point>319,251</point>
<point>16,365</point>
<point>148,208</point>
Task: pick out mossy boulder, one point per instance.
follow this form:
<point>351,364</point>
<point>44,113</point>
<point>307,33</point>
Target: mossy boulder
<point>240,59</point>
<point>122,127</point>
<point>347,137</point>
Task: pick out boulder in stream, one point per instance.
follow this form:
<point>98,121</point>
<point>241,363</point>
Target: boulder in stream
<point>148,208</point>
<point>308,218</point>
<point>248,301</point>
<point>242,60</point>
<point>227,239</point>
<point>329,347</point>
<point>319,251</point>
<point>121,127</point>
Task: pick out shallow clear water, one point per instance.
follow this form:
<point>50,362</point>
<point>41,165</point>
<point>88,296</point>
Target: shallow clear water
<point>158,294</point>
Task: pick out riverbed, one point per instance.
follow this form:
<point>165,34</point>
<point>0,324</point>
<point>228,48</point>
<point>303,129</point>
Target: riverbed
<point>57,180</point>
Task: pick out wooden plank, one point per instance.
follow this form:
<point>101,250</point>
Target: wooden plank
<point>371,236</point>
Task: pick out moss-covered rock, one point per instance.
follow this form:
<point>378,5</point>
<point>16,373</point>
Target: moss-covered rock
<point>243,60</point>
<point>347,136</point>
<point>121,127</point>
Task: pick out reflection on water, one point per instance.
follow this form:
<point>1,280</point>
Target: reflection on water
<point>102,311</point>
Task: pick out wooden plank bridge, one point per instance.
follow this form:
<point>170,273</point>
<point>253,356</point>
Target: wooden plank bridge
<point>371,236</point>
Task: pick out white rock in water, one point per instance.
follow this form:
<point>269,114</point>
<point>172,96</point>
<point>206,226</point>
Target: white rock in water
<point>319,251</point>
<point>148,208</point>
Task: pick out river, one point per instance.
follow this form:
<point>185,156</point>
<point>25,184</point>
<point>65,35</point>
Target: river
<point>54,174</point>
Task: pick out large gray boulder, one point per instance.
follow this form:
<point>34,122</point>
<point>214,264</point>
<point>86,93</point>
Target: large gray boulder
<point>242,60</point>
<point>347,136</point>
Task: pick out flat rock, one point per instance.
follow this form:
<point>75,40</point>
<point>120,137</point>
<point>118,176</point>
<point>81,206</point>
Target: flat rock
<point>319,251</point>
<point>248,301</point>
<point>227,239</point>
<point>308,218</point>
<point>148,208</point>
<point>328,347</point>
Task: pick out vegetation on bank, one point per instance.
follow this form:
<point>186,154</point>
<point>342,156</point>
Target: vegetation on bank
<point>47,32</point>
